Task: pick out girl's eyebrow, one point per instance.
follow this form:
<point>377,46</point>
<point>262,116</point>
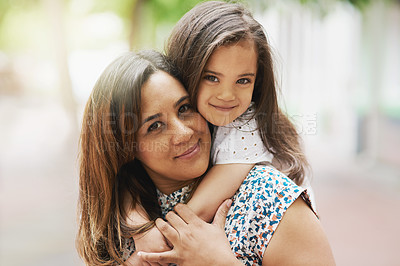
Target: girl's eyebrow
<point>220,74</point>
<point>155,116</point>
<point>247,74</point>
<point>213,72</point>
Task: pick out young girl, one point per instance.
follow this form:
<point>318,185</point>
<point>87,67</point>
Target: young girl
<point>225,63</point>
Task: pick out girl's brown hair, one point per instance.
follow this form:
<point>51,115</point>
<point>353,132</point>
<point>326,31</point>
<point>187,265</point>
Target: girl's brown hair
<point>212,24</point>
<point>109,174</point>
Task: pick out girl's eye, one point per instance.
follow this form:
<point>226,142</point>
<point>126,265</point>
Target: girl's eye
<point>154,126</point>
<point>184,108</point>
<point>211,78</point>
<point>243,81</point>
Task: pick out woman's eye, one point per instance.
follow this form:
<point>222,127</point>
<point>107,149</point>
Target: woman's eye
<point>243,81</point>
<point>211,78</point>
<point>154,126</point>
<point>184,108</point>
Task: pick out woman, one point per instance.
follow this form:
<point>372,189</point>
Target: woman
<point>138,148</point>
<point>114,138</point>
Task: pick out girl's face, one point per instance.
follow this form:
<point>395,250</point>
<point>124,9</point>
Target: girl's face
<point>173,141</point>
<point>227,83</point>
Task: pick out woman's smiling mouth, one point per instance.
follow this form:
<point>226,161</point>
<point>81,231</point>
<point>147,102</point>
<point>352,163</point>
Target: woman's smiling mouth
<point>192,151</point>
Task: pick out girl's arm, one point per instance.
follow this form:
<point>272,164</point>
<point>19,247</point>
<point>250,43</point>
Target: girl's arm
<point>151,240</point>
<point>220,183</point>
<point>194,241</point>
<point>299,240</point>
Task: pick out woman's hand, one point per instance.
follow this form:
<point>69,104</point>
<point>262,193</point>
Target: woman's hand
<point>194,241</point>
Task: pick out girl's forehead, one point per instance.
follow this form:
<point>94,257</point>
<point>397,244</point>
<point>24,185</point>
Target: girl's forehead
<point>244,43</point>
<point>244,50</point>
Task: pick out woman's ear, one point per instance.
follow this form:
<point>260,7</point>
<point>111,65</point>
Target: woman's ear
<point>135,150</point>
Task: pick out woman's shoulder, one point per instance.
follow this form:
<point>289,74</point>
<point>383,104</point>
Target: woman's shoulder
<point>269,184</point>
<point>257,209</point>
<point>268,191</point>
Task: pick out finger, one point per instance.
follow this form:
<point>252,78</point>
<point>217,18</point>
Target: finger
<point>187,214</point>
<point>222,212</point>
<point>152,263</point>
<point>168,231</point>
<point>162,258</point>
<point>135,260</point>
<point>175,221</point>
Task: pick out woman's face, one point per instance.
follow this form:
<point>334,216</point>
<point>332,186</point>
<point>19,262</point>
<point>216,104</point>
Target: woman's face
<point>173,141</point>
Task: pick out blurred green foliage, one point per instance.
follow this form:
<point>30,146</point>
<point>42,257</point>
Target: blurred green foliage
<point>20,24</point>
<point>357,3</point>
<point>7,5</point>
<point>141,18</point>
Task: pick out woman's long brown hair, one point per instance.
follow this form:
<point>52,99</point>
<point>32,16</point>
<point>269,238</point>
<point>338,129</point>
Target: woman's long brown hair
<point>108,170</point>
<point>212,24</point>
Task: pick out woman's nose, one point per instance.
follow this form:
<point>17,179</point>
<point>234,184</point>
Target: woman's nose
<point>226,93</point>
<point>181,132</point>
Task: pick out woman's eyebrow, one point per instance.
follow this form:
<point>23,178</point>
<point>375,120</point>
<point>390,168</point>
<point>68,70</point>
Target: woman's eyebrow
<point>149,118</point>
<point>181,100</point>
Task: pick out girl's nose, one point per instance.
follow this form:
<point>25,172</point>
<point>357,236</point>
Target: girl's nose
<point>225,93</point>
<point>181,132</point>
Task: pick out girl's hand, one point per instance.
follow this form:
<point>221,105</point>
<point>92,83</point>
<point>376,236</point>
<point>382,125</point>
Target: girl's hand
<point>194,241</point>
<point>150,241</point>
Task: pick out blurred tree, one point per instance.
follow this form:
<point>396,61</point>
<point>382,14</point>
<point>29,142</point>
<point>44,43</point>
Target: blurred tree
<point>144,17</point>
<point>56,18</point>
<point>6,5</point>
<point>357,3</point>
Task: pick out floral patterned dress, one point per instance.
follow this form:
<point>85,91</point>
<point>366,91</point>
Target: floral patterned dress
<point>257,208</point>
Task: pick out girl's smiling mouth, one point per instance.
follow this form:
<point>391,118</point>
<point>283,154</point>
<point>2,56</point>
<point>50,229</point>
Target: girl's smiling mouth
<point>223,108</point>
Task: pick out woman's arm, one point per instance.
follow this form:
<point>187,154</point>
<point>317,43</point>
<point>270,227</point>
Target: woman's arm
<point>298,240</point>
<point>220,183</point>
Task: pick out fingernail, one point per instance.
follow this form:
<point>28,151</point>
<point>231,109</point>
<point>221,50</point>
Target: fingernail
<point>228,203</point>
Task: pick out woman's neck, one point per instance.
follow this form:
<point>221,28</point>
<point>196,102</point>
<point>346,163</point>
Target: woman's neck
<point>170,187</point>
